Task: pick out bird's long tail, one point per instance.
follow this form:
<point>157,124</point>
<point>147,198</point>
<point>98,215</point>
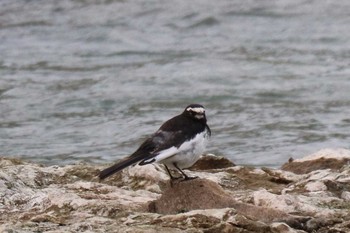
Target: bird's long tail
<point>119,166</point>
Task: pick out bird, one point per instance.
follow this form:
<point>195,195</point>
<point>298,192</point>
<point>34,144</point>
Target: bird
<point>177,144</point>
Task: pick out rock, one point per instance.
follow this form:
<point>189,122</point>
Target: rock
<point>204,194</point>
<point>35,198</point>
<point>328,153</point>
<point>210,161</point>
<point>286,203</point>
<point>346,196</point>
<point>323,159</point>
<point>189,195</point>
<point>283,228</point>
<point>315,186</point>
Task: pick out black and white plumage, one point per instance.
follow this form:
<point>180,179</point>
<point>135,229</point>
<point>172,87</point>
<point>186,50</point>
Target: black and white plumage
<point>177,144</point>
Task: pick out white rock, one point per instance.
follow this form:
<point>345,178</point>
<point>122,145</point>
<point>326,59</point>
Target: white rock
<point>152,172</point>
<point>289,203</point>
<point>345,195</point>
<point>315,186</point>
<point>215,177</point>
<point>286,203</point>
<point>327,154</point>
<point>279,227</point>
<point>217,213</point>
<point>325,174</point>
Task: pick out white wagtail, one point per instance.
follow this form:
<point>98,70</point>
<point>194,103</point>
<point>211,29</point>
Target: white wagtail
<point>177,144</point>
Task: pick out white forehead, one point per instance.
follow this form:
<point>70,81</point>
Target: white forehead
<point>196,109</point>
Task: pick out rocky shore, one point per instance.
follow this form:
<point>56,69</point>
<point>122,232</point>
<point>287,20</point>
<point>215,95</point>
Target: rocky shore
<point>311,194</point>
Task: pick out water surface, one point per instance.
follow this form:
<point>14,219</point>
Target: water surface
<point>89,80</point>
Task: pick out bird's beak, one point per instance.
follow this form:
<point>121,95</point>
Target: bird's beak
<point>209,131</point>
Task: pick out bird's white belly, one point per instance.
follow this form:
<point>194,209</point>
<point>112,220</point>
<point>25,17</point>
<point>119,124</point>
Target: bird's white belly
<point>187,154</point>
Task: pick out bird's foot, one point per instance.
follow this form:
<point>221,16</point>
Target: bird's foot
<point>189,178</point>
<point>172,178</point>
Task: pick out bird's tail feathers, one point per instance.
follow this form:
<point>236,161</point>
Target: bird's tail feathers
<point>119,166</point>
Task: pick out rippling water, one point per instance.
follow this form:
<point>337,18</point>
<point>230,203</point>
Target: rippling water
<point>89,80</point>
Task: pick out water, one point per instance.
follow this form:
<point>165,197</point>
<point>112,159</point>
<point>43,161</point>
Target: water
<point>89,80</point>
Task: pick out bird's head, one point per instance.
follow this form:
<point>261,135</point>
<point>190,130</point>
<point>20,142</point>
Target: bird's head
<point>195,111</point>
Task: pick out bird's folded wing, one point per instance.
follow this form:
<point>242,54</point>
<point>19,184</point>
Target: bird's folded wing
<point>161,155</point>
<point>161,145</point>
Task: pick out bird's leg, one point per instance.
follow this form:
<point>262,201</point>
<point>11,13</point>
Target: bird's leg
<point>171,177</point>
<point>184,174</point>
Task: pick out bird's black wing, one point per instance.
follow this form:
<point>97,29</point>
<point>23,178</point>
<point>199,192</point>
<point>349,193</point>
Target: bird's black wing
<point>161,141</point>
<point>172,133</point>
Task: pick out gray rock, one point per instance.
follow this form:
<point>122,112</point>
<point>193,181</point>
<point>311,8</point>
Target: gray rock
<point>35,198</point>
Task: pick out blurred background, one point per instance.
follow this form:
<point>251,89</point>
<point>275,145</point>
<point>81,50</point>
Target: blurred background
<point>88,80</point>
